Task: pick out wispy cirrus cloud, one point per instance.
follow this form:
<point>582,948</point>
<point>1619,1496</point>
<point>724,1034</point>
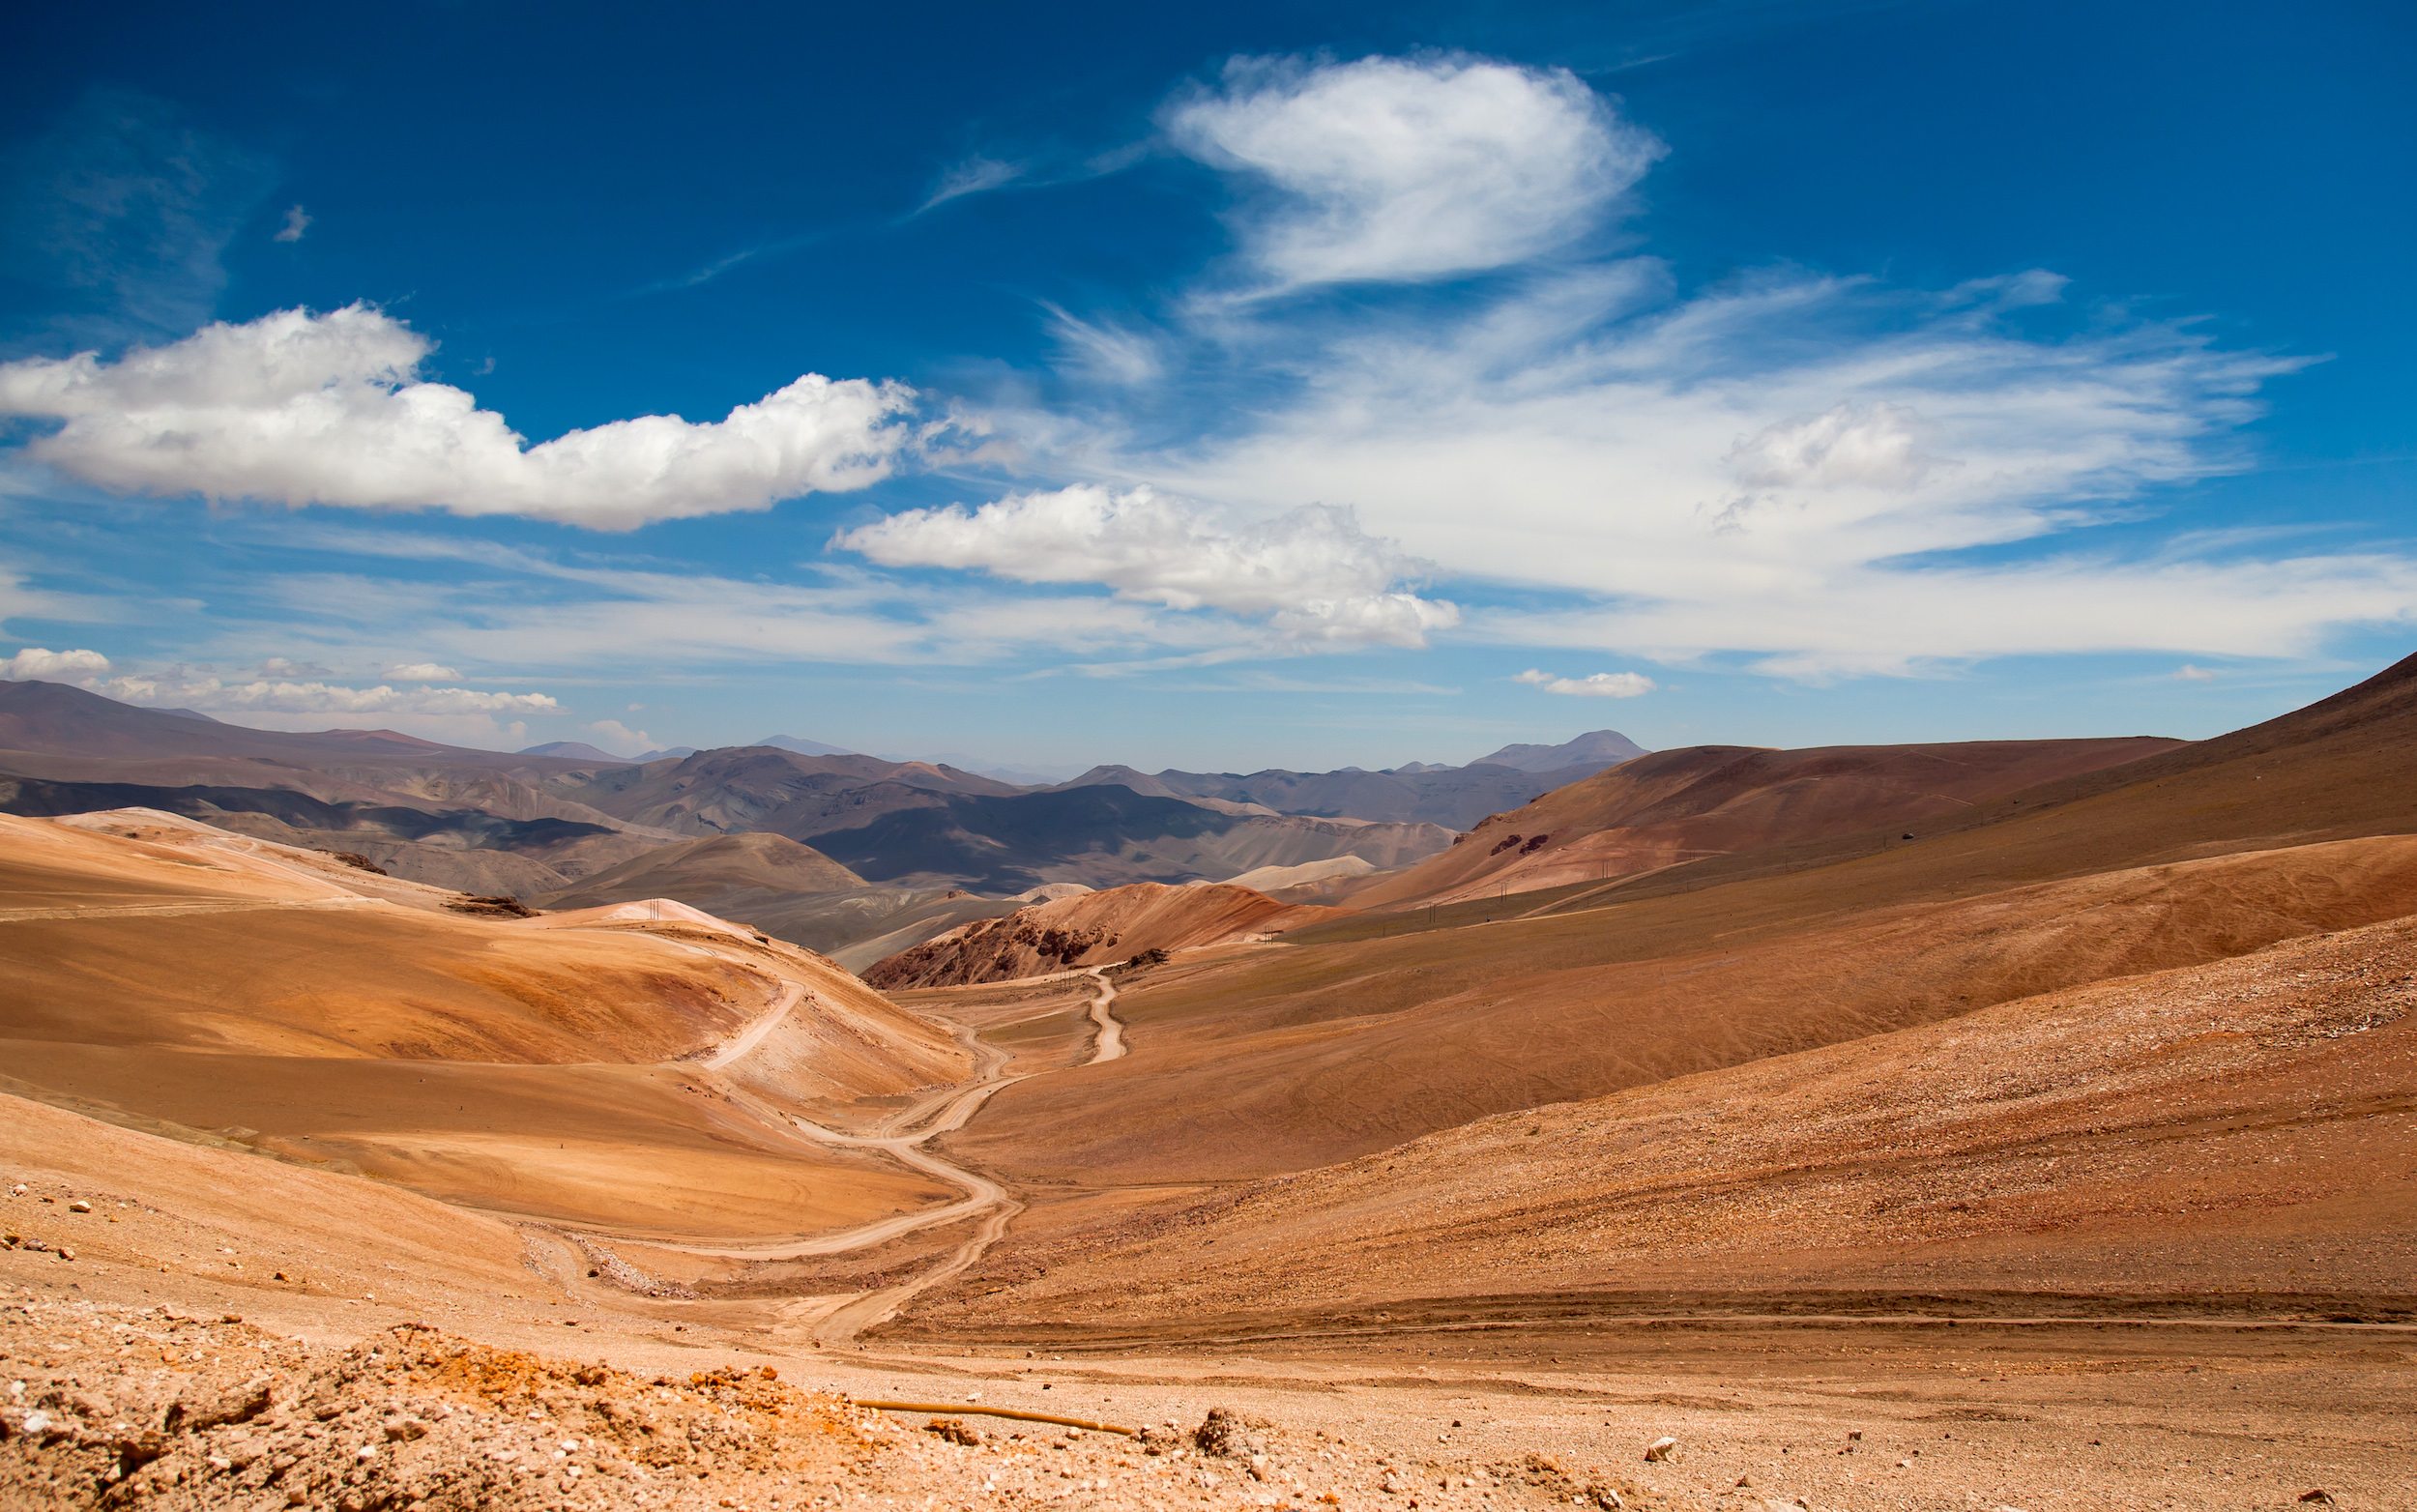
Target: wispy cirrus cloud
<point>974,175</point>
<point>122,212</point>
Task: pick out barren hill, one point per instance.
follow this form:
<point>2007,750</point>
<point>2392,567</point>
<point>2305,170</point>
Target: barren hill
<point>737,868</point>
<point>2242,1125</point>
<point>1682,806</point>
<point>1090,929</point>
<point>1454,796</point>
<point>1365,1033</point>
<point>172,977</point>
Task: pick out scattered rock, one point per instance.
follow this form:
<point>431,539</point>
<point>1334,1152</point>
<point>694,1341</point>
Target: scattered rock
<point>2321,1496</point>
<point>954,1430</point>
<point>1222,1433</point>
<point>79,1205</point>
<point>1661,1449</point>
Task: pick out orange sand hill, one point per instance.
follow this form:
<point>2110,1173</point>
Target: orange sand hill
<point>2243,1128</point>
<point>1090,929</point>
<point>1682,806</point>
<point>1366,1032</point>
<point>609,1069</point>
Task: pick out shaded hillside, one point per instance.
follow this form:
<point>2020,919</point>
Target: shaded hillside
<point>1102,836</point>
<point>1597,748</point>
<point>469,848</point>
<point>789,890</point>
<point>1090,929</point>
<point>1453,797</point>
<point>1682,806</point>
<point>744,787</point>
<point>764,865</point>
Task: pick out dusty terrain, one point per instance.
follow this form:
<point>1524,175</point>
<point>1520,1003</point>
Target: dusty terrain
<point>2058,1157</point>
<point>1682,806</point>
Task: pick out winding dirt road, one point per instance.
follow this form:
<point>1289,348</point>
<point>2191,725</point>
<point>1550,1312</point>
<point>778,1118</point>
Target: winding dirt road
<point>1110,1045</point>
<point>984,1197</point>
<point>902,1136</point>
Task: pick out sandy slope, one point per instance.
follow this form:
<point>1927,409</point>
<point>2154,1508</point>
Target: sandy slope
<point>1681,805</point>
<point>1089,930</point>
<point>182,978</point>
<point>1296,1056</point>
<point>2242,1128</point>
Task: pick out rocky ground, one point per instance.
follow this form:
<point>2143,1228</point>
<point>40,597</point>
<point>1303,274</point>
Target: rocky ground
<point>114,1405</point>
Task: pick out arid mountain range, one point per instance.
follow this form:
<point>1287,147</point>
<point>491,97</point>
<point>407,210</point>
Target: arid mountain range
<point>2032,1040</point>
<point>896,847</point>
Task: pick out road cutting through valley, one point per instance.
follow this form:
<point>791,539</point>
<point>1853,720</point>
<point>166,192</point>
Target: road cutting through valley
<point>902,1136</point>
<point>985,1197</point>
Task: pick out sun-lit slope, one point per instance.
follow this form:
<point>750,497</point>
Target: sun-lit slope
<point>565,1065</point>
<point>2343,767</point>
<point>742,866</point>
<point>330,1233</point>
<point>1089,930</point>
<point>2241,1127</point>
<point>1355,1036</point>
<point>1681,805</point>
<point>1293,1057</point>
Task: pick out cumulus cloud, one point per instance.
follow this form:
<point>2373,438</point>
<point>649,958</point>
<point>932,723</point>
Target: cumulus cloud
<point>302,408</point>
<point>203,691</point>
<point>37,663</point>
<point>1311,573</point>
<point>422,671</point>
<point>297,221</point>
<point>1596,684</point>
<point>621,740</point>
<point>1409,169</point>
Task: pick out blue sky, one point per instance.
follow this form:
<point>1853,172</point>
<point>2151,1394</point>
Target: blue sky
<point>1298,385</point>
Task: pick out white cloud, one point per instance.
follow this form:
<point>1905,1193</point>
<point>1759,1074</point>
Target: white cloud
<point>422,672</point>
<point>1851,445</point>
<point>264,695</point>
<point>975,175</point>
<point>1598,685</point>
<point>301,408</point>
<point>2187,673</point>
<point>1783,469</point>
<point>1410,169</point>
<point>297,221</point>
<point>1104,351</point>
<point>620,739</point>
<point>575,617</point>
<point>35,663</point>
<point>1310,573</point>
<point>1891,620</point>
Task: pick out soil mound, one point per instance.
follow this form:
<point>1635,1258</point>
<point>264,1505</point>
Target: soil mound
<point>1090,929</point>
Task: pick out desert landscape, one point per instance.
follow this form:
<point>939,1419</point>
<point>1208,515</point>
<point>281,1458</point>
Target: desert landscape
<point>1885,1127</point>
<point>1466,757</point>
